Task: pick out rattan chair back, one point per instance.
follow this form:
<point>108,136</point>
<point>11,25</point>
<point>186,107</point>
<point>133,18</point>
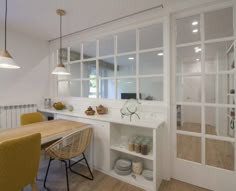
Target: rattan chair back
<point>71,145</point>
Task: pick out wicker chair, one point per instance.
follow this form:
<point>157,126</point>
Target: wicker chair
<point>19,161</point>
<point>69,147</point>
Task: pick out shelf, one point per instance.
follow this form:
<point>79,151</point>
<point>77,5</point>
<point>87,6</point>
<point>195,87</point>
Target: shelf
<point>230,94</point>
<point>116,148</point>
<point>139,181</point>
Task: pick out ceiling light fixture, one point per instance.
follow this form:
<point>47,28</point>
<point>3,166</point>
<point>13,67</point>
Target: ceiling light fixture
<point>60,68</point>
<point>194,23</point>
<point>197,49</point>
<point>197,59</point>
<point>195,31</point>
<point>160,54</point>
<point>131,58</point>
<point>6,60</point>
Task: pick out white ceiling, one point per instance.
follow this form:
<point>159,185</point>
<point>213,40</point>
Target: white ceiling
<point>38,17</point>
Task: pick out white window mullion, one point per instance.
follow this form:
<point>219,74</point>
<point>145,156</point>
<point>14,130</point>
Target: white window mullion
<point>203,125</point>
<point>81,69</point>
<point>69,69</point>
<point>137,63</point>
<point>115,62</point>
<point>97,69</point>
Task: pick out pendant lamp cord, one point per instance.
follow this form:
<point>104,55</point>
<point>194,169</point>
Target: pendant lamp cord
<point>6,27</point>
<point>60,40</point>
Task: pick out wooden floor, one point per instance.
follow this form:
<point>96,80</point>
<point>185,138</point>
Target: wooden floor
<point>102,182</point>
<point>218,153</point>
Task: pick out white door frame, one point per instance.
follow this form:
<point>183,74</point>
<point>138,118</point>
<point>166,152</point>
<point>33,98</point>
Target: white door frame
<point>194,173</point>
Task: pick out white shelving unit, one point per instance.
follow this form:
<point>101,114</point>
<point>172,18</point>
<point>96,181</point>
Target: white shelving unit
<point>231,86</point>
<point>150,161</point>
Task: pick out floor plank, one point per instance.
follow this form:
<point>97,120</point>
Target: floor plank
<point>218,153</point>
<point>56,181</point>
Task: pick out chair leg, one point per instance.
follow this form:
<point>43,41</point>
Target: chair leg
<point>67,179</point>
<point>84,158</point>
<point>45,179</point>
<point>34,187</point>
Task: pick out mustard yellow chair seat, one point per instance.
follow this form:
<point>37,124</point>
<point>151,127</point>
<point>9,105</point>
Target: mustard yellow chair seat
<point>19,161</point>
<point>28,118</point>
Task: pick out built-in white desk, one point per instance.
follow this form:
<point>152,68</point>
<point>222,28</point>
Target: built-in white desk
<point>108,130</point>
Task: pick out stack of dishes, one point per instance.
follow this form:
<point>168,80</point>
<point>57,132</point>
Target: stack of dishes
<point>148,174</point>
<point>123,167</point>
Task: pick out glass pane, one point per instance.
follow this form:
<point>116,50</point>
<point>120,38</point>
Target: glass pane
<point>75,52</point>
<point>151,37</point>
<point>126,88</point>
<point>188,29</point>
<point>151,63</point>
<point>107,89</point>
<point>89,49</point>
<point>63,88</point>
<point>75,90</point>
<point>151,88</point>
<point>225,94</point>
<point>218,57</point>
<point>219,23</point>
<point>89,69</point>
<point>106,46</point>
<point>226,89</point>
<point>106,67</point>
<point>189,118</point>
<point>126,41</point>
<point>210,88</point>
<point>75,70</point>
<point>64,55</point>
<point>189,148</point>
<point>220,121</point>
<point>89,88</point>
<point>189,59</point>
<point>126,65</point>
<point>220,154</point>
<point>185,91</point>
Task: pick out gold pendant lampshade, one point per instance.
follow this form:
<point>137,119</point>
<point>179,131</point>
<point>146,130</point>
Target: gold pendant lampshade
<point>60,68</point>
<point>6,60</point>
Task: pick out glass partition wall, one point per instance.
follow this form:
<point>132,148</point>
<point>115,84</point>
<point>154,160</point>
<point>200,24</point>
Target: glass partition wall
<point>125,65</point>
<point>205,88</point>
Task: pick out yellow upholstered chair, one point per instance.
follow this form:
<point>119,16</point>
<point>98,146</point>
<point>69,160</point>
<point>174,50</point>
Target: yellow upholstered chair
<point>19,161</point>
<point>28,118</point>
<point>68,147</point>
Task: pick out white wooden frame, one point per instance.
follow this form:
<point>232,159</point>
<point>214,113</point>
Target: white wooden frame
<point>189,166</point>
<point>115,55</point>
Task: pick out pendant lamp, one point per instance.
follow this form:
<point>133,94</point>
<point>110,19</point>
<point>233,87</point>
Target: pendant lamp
<point>60,68</point>
<point>6,60</point>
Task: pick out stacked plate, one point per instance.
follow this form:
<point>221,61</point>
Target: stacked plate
<point>123,167</point>
<point>148,174</point>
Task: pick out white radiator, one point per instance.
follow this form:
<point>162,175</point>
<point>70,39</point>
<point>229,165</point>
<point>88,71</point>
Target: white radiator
<point>10,114</point>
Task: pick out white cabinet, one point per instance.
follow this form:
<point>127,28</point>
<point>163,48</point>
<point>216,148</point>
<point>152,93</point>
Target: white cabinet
<point>106,147</point>
<point>101,155</point>
<point>151,161</point>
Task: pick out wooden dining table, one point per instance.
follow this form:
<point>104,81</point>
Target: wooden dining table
<point>49,130</point>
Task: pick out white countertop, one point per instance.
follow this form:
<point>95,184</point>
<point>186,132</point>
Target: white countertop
<point>154,124</point>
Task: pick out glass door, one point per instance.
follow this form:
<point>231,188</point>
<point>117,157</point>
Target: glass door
<point>204,102</point>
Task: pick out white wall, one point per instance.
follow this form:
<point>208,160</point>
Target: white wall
<point>29,84</point>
